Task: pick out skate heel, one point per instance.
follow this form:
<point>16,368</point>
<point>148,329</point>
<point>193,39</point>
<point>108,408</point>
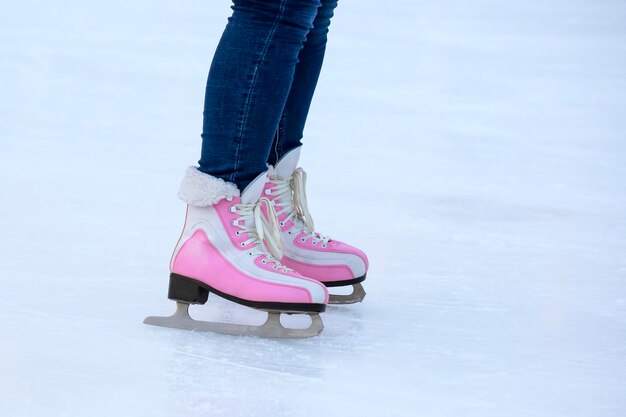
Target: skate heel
<point>186,290</point>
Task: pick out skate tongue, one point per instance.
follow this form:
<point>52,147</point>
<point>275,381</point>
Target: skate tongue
<point>253,191</point>
<point>288,163</point>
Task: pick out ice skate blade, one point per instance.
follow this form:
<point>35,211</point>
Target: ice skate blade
<point>272,328</point>
<point>357,295</point>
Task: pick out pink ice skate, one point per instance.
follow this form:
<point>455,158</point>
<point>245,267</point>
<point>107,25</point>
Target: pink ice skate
<point>329,261</point>
<point>229,248</point>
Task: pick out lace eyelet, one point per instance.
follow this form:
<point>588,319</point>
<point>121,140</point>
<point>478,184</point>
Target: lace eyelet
<point>232,209</point>
<point>314,242</point>
<point>302,240</point>
<point>324,246</point>
<point>250,253</point>
<point>275,268</point>
<point>268,192</point>
<point>243,244</point>
<point>282,223</point>
<point>237,233</point>
<point>289,232</point>
<point>264,261</point>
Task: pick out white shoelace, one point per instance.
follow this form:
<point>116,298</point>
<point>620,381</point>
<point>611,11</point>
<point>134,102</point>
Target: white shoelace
<point>265,231</point>
<point>291,196</point>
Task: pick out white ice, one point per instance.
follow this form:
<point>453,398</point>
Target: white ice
<point>474,149</point>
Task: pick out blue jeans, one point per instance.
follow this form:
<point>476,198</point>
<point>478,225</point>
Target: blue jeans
<point>260,85</point>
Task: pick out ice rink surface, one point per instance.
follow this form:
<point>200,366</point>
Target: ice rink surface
<point>476,150</point>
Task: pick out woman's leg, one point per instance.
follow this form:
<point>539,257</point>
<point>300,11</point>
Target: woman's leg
<point>330,261</point>
<point>248,85</point>
<point>290,131</point>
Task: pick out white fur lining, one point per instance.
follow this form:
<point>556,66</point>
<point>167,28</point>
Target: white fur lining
<point>202,190</point>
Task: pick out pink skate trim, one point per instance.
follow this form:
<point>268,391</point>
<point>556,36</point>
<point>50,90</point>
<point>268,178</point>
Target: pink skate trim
<point>268,266</point>
<point>200,260</point>
<point>281,218</point>
<point>226,217</point>
<point>323,273</point>
<point>332,246</point>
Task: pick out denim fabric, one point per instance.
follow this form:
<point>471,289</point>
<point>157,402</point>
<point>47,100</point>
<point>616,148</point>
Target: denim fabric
<point>260,85</point>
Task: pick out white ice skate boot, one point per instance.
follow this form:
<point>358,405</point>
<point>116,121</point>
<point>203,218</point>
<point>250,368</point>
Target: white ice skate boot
<point>221,250</point>
<point>329,261</point>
